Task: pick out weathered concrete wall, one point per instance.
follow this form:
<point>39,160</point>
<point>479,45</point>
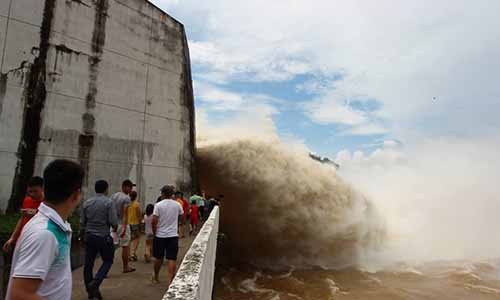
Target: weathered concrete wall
<point>195,278</point>
<point>103,82</point>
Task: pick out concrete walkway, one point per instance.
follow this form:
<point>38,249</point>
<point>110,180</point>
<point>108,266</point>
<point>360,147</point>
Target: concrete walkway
<point>135,285</point>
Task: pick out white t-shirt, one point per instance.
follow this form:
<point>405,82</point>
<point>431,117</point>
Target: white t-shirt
<point>43,252</point>
<point>168,212</point>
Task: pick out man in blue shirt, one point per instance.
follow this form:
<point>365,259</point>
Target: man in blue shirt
<point>97,216</point>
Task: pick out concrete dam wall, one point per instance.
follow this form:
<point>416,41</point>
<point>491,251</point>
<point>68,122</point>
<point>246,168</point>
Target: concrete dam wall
<point>106,83</point>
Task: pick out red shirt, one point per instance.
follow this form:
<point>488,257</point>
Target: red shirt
<point>194,213</point>
<point>185,207</point>
<point>29,203</point>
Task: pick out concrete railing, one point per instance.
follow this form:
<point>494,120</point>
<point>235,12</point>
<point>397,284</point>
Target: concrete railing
<point>195,278</point>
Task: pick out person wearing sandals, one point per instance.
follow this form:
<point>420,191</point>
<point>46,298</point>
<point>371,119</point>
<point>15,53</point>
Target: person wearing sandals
<point>134,213</point>
<point>121,237</point>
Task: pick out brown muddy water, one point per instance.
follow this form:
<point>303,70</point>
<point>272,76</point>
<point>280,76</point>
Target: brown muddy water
<point>436,280</point>
<point>283,215</point>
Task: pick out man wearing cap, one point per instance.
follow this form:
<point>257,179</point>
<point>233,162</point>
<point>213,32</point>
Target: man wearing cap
<point>122,202</point>
<point>166,216</point>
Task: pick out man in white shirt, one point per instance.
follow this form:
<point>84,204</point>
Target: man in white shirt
<point>122,202</point>
<point>41,266</point>
<point>166,216</point>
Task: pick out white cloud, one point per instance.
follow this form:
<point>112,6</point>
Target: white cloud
<point>250,122</point>
<point>334,113</point>
<point>391,143</point>
<point>246,116</point>
<point>217,98</point>
<point>365,129</point>
<point>253,65</point>
<point>220,99</point>
<point>398,52</point>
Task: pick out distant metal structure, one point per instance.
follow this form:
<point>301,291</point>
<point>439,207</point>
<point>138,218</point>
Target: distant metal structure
<point>324,160</point>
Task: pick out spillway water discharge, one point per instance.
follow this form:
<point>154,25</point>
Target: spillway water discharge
<point>294,229</point>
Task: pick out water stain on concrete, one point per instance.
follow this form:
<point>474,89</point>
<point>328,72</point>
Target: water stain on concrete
<point>80,2</point>
<point>113,159</point>
<point>34,97</point>
<point>188,102</point>
<point>86,140</point>
<point>3,89</point>
<point>61,51</point>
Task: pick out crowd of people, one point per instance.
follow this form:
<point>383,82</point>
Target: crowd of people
<point>41,240</point>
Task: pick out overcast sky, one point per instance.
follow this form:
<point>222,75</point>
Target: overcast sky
<point>348,75</point>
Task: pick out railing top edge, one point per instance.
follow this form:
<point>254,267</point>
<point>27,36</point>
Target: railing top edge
<point>187,280</point>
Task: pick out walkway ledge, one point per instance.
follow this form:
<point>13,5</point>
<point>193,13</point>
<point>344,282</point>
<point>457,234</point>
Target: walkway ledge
<point>195,278</point>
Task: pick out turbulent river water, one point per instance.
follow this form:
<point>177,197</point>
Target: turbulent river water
<point>433,280</point>
<point>293,229</point>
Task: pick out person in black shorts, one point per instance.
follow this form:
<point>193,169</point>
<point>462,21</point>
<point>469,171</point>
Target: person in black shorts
<point>166,216</point>
<point>167,248</point>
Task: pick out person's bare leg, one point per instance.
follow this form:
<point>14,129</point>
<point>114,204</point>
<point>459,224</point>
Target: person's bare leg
<point>157,267</point>
<point>136,245</point>
<point>125,256</point>
<point>147,250</point>
<point>172,266</point>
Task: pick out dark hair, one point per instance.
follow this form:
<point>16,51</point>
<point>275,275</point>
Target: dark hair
<point>133,195</point>
<point>179,193</point>
<point>167,193</point>
<point>149,209</point>
<point>193,202</point>
<point>128,182</point>
<point>35,181</point>
<point>167,190</point>
<point>62,178</point>
<point>101,186</point>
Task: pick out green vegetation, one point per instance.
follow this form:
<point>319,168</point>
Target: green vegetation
<point>8,223</point>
